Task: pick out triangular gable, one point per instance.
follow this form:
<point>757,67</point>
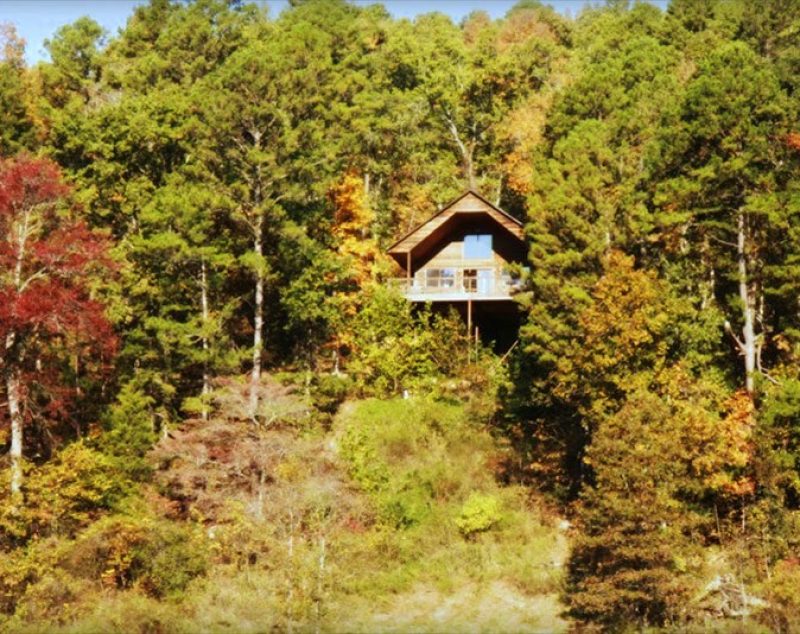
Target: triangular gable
<point>469,202</point>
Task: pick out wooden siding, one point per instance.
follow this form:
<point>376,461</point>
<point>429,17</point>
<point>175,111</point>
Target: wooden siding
<point>446,249</point>
<point>469,204</point>
<point>449,252</point>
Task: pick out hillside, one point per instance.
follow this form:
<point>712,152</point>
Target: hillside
<point>386,518</point>
<point>233,240</point>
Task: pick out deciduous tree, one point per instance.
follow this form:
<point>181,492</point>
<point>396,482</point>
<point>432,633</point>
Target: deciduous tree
<point>46,309</point>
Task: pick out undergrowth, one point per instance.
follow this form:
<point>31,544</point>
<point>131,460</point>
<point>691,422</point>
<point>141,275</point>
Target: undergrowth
<point>388,518</point>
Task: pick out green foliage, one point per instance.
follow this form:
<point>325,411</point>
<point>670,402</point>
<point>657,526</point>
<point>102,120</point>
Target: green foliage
<point>778,438</point>
<point>783,593</point>
<point>478,514</point>
<point>629,565</point>
<point>329,391</point>
<point>52,581</point>
<point>130,431</point>
<point>159,557</point>
<point>16,123</point>
<point>62,496</point>
<point>398,347</point>
<point>76,64</point>
<point>394,449</point>
<point>222,149</point>
<point>424,465</point>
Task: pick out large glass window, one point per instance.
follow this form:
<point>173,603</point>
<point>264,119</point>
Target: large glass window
<point>441,278</point>
<point>478,246</point>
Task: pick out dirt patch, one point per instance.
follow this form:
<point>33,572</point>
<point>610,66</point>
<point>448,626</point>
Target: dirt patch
<point>472,608</point>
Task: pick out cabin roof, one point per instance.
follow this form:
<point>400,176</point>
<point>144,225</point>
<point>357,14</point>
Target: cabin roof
<point>470,202</point>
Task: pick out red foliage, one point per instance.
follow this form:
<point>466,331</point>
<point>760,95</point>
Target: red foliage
<point>47,316</point>
<point>793,140</point>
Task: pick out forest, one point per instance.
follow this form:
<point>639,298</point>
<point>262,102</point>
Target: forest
<point>217,415</point>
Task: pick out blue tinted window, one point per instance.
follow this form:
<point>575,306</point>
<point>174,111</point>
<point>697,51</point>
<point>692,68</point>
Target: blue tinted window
<point>478,247</point>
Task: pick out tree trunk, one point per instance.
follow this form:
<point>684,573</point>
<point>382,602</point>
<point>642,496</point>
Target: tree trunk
<point>13,376</point>
<point>467,153</point>
<point>748,343</point>
<point>14,392</point>
<point>469,168</point>
<point>258,323</point>
<point>204,326</point>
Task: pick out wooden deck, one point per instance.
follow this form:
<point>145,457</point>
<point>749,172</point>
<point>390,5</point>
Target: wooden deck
<point>457,284</point>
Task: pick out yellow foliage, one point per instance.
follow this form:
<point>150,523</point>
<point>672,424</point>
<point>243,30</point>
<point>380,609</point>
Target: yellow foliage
<point>353,220</point>
<point>523,25</point>
<point>620,347</point>
<point>716,429</point>
<point>523,130</point>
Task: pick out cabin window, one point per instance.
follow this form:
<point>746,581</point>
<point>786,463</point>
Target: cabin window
<point>441,278</point>
<point>478,246</point>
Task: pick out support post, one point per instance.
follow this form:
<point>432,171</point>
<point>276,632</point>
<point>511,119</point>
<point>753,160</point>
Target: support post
<point>469,331</point>
<point>408,269</point>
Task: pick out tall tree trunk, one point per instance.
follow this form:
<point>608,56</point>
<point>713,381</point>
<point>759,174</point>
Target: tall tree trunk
<point>469,168</point>
<point>14,392</point>
<point>258,322</point>
<point>13,375</point>
<point>204,326</point>
<point>467,153</point>
<point>748,342</point>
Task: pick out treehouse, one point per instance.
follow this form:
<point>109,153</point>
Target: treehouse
<point>460,257</point>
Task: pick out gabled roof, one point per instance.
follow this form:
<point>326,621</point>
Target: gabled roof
<point>469,202</point>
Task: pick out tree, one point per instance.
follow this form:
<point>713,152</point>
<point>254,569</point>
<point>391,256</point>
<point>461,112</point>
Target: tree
<point>669,448</point>
<point>724,172</point>
<point>589,183</point>
<point>16,123</point>
<point>46,309</point>
<point>470,78</point>
<point>76,66</point>
<point>264,147</point>
<point>181,256</point>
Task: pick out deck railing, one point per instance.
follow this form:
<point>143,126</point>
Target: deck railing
<point>451,282</point>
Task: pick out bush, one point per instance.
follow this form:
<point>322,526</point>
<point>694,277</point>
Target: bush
<point>62,496</point>
<point>409,454</point>
<point>478,514</point>
<point>329,391</point>
<point>783,598</point>
<point>156,556</point>
<point>397,347</point>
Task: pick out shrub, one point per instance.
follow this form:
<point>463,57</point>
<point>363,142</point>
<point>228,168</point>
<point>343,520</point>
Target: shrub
<point>62,496</point>
<point>478,514</point>
<point>55,598</point>
<point>783,592</point>
<point>130,432</point>
<point>158,556</point>
<point>397,347</point>
<point>329,391</point>
<point>409,454</point>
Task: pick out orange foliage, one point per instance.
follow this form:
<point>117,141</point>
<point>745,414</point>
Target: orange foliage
<point>353,220</point>
<point>12,46</point>
<point>737,433</point>
<point>474,25</point>
<point>724,448</point>
<point>523,130</point>
<point>522,25</point>
<point>793,140</point>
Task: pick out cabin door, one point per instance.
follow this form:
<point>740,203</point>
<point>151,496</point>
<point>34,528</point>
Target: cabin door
<point>485,279</point>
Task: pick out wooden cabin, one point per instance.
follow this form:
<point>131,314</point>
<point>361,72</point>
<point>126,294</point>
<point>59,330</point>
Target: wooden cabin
<point>459,257</point>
